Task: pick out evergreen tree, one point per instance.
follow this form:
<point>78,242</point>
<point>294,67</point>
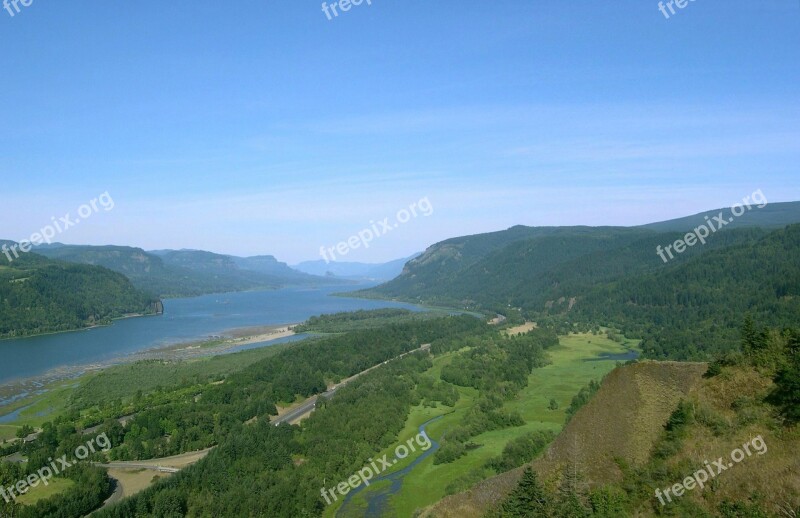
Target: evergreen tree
<point>748,335</point>
<point>573,489</point>
<point>528,500</point>
<point>786,395</point>
<point>571,507</point>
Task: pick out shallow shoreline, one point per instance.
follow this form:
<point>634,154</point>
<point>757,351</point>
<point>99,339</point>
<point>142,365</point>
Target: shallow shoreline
<point>22,392</point>
<point>230,339</point>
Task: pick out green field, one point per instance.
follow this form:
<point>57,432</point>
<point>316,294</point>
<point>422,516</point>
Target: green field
<point>7,432</point>
<point>560,380</point>
<point>42,492</point>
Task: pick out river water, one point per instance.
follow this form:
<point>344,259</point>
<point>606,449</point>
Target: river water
<point>184,320</point>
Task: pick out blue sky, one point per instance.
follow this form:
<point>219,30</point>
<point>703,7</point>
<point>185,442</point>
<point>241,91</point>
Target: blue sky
<point>261,127</point>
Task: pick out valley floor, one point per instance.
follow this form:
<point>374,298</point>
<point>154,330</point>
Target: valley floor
<point>576,361</point>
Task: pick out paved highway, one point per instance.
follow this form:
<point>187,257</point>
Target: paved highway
<point>130,465</point>
<point>310,404</point>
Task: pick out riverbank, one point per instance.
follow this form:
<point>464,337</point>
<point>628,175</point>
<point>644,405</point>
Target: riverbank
<point>43,395</point>
<point>223,343</point>
<point>203,318</point>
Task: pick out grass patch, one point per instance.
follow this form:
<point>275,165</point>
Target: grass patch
<point>8,431</point>
<point>564,377</point>
<point>42,492</point>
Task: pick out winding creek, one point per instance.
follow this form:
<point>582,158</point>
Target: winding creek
<point>378,499</point>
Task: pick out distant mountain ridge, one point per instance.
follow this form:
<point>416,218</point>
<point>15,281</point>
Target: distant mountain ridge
<point>771,216</point>
<point>467,269</point>
<point>180,273</point>
<point>356,270</point>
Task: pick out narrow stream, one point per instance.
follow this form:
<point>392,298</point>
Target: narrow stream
<point>378,499</point>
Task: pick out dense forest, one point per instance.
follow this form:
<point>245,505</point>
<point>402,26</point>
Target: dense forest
<point>38,295</point>
<point>343,432</point>
<point>694,310</point>
<point>361,319</point>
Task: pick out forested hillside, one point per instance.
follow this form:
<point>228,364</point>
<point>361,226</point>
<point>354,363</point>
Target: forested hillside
<point>687,308</point>
<point>38,295</point>
<point>694,310</point>
<point>496,268</point>
<point>237,273</point>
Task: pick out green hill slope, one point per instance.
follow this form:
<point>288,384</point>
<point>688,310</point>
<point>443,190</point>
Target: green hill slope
<point>622,421</point>
<point>526,266</point>
<point>39,295</point>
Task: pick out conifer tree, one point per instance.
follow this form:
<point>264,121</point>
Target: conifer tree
<point>528,500</point>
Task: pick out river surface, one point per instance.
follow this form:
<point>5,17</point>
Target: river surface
<point>184,320</point>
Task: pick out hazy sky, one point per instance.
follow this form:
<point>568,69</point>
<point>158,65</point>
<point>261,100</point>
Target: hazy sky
<point>262,127</point>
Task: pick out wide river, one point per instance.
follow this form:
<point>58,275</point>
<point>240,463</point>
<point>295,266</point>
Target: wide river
<point>184,320</point>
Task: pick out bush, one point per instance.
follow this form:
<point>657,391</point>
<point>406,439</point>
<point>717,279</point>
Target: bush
<point>449,451</point>
<point>713,421</point>
<point>608,502</point>
<point>521,450</point>
<point>729,509</point>
<point>466,481</point>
